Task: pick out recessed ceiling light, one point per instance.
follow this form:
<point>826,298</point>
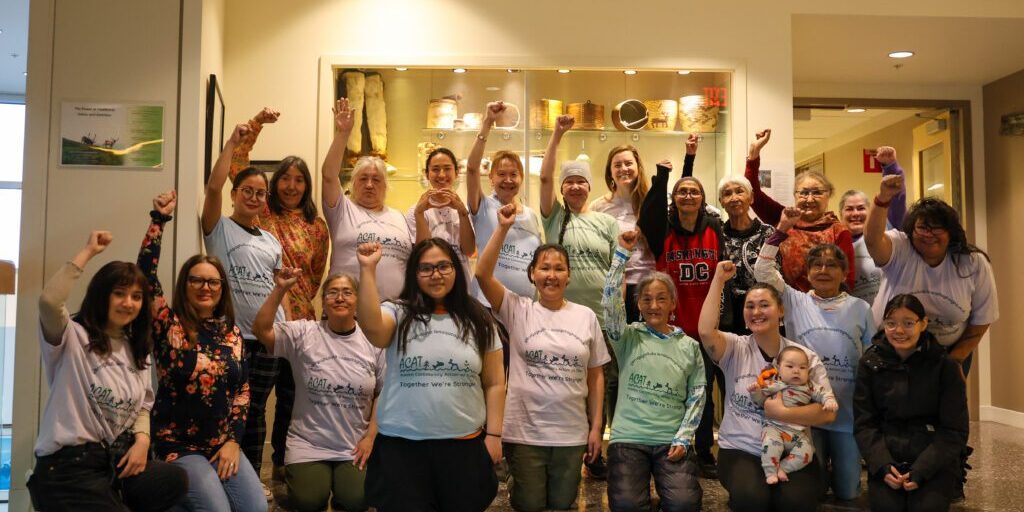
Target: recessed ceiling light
<point>855,110</point>
<point>459,70</point>
<point>511,70</point>
<point>630,71</point>
<point>683,72</point>
<point>564,71</point>
<point>401,69</point>
<point>493,88</point>
<point>902,54</point>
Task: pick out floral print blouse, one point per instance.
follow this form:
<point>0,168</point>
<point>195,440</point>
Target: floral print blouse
<point>304,244</point>
<point>203,393</point>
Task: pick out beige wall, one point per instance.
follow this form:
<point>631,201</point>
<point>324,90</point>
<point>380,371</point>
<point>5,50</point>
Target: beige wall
<point>844,164</point>
<point>1004,158</point>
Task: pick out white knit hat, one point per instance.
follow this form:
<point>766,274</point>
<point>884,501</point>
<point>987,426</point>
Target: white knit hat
<point>576,168</point>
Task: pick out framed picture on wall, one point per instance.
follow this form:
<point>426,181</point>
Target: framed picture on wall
<point>214,125</point>
<point>816,163</point>
<point>267,167</point>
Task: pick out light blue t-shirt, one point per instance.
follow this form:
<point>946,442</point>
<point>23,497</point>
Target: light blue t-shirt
<point>433,390</point>
<point>250,262</point>
<point>838,330</point>
<point>516,253</point>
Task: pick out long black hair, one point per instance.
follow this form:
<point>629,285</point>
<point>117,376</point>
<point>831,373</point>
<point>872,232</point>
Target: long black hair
<point>306,204</point>
<point>936,213</point>
<point>93,315</point>
<point>540,252</point>
<point>469,316</point>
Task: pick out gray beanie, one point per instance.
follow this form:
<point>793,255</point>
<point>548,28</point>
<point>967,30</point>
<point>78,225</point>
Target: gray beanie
<point>576,168</point>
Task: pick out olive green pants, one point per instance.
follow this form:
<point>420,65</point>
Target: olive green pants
<point>312,484</point>
<point>543,477</point>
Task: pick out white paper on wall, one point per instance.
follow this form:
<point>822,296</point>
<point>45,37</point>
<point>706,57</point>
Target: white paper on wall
<point>777,180</point>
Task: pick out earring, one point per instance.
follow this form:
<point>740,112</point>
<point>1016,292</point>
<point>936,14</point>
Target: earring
<point>672,317</point>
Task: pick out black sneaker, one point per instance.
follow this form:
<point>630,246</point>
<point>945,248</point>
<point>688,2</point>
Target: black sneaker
<point>708,466</point>
<point>596,470</point>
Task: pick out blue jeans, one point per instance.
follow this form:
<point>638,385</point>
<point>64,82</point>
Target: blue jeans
<point>841,449</point>
<point>207,493</point>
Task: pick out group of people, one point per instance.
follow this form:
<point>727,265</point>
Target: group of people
<point>424,370</point>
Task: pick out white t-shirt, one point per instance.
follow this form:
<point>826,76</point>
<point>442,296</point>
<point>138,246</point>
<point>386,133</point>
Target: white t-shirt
<point>551,352</point>
<point>741,363</point>
<point>516,253</point>
<point>250,262</point>
<point>951,302</point>
<point>641,262</point>
<point>92,398</point>
<point>351,225</point>
<point>337,378</point>
<point>433,390</point>
<point>869,276</point>
<point>838,330</point>
<point>444,224</point>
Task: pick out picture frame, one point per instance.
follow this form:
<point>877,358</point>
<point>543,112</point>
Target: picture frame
<point>214,125</point>
<point>267,167</point>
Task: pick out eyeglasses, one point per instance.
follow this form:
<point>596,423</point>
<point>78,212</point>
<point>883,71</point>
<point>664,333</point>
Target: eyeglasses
<point>924,230</point>
<point>688,193</point>
<point>249,193</point>
<point>811,192</point>
<point>891,325</point>
<point>333,294</point>
<point>426,269</point>
<point>197,283</point>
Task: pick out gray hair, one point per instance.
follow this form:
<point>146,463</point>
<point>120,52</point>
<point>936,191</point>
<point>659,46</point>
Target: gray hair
<point>735,180</point>
<point>372,162</point>
<point>851,193</point>
<point>660,277</point>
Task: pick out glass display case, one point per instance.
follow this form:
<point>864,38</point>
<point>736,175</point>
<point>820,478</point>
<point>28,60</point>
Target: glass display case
<point>427,107</point>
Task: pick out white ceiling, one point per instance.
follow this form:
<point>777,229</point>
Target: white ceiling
<point>828,123</point>
<point>948,51</point>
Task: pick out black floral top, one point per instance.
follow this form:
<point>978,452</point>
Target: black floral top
<point>203,393</point>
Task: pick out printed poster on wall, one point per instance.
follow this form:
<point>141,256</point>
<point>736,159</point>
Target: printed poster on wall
<point>112,134</point>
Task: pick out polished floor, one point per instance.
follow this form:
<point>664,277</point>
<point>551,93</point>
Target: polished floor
<point>995,484</point>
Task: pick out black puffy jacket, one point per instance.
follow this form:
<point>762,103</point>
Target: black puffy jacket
<point>912,411</point>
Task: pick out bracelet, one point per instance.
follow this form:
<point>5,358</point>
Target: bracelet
<point>481,137</point>
<point>881,204</point>
<point>494,435</point>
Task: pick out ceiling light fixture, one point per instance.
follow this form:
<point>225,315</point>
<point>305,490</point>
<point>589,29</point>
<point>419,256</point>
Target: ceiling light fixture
<point>459,70</point>
<point>630,71</point>
<point>511,70</point>
<point>855,110</point>
<point>564,71</point>
<point>401,69</point>
<point>902,54</point>
<point>683,72</point>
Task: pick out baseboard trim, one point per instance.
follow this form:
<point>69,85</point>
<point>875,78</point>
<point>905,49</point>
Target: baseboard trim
<point>1003,416</point>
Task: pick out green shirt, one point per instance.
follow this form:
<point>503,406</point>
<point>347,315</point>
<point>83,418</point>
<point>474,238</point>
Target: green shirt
<point>661,376</point>
<point>590,239</point>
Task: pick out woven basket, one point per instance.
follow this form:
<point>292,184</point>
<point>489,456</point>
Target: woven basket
<point>589,115</point>
<point>662,115</point>
<point>630,115</point>
<point>544,113</point>
<point>696,116</point>
<point>441,113</point>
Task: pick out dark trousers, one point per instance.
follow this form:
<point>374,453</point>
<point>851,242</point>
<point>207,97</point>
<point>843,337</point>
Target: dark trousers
<point>630,468</point>
<point>437,475</point>
<point>83,478</point>
<point>932,495</point>
<point>742,476</point>
<point>263,370</point>
<point>284,388</point>
<point>704,438</point>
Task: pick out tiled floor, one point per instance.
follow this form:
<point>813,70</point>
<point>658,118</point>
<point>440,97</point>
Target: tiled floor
<point>995,484</point>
